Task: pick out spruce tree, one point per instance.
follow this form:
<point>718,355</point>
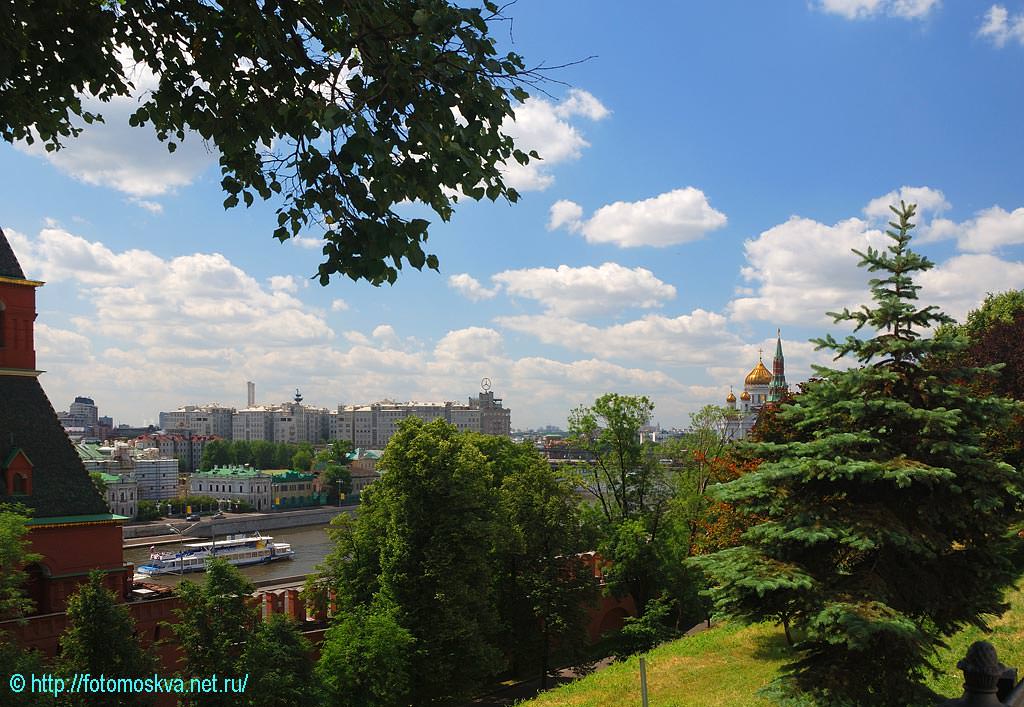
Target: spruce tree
<point>886,523</point>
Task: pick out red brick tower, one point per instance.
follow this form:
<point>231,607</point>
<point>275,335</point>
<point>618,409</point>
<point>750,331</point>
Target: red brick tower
<point>70,524</point>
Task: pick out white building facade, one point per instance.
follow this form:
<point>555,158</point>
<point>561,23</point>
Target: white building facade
<point>234,484</point>
<point>371,426</point>
<point>157,478</point>
<point>199,420</point>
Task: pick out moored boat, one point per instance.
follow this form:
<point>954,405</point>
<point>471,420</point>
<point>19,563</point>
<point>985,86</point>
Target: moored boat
<point>237,550</point>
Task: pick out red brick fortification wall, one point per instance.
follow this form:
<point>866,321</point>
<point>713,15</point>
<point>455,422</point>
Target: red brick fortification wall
<point>69,553</point>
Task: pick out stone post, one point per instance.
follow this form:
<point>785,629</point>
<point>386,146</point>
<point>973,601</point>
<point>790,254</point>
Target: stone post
<point>985,678</point>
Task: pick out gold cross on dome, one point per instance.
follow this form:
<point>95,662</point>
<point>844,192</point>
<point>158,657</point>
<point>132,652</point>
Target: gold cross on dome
<point>760,353</point>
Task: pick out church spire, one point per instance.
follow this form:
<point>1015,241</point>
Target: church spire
<point>778,389</point>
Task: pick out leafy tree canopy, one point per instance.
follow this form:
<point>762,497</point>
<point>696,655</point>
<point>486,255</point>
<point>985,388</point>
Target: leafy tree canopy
<point>14,555</point>
<point>213,624</point>
<point>364,660</point>
<point>993,334</point>
<point>277,659</point>
<point>101,640</point>
<point>421,546</point>
<point>337,111</point>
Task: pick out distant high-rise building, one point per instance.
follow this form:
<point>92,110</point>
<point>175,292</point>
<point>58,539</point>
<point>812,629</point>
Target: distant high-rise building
<point>494,419</point>
<point>250,400</point>
<point>81,418</point>
<point>210,419</point>
<point>371,426</point>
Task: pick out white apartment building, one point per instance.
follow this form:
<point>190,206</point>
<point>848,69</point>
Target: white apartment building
<point>199,420</point>
<point>157,478</point>
<point>371,426</point>
<point>253,423</point>
<point>296,423</point>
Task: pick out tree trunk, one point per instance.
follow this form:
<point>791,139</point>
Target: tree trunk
<point>544,660</point>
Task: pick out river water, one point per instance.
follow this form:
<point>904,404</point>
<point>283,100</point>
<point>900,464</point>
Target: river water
<point>310,544</point>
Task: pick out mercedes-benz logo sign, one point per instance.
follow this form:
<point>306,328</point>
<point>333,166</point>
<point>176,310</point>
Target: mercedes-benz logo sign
<point>485,384</point>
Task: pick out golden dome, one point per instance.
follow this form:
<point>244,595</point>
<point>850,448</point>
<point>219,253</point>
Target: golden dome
<point>744,395</point>
<point>759,376</point>
<point>731,398</point>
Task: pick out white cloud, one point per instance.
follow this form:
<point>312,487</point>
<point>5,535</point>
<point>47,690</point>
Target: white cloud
<point>544,126</point>
<point>677,216</point>
<point>153,207</point>
<point>912,9</point>
<point>1000,27</point>
<point>283,283</point>
<point>588,289</point>
<point>989,230</point>
<point>700,337</point>
<point>470,288</point>
<point>192,301</point>
<point>165,332</point>
<point>307,242</point>
<point>582,103</point>
<point>802,268</point>
<point>470,344</point>
<point>565,213</point>
<point>929,202</point>
<point>339,305</point>
<point>961,283</point>
<point>992,229</point>
<point>385,334</point>
<point>862,9</point>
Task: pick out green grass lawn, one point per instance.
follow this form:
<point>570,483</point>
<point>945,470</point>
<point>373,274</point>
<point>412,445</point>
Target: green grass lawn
<point>728,664</point>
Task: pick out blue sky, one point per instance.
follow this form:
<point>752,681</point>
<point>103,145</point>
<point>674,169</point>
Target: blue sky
<point>706,174</point>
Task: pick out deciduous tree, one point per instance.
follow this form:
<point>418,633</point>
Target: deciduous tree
<point>277,662</point>
<point>337,112</point>
<point>422,546</point>
<point>213,624</point>
<point>14,556</point>
<point>364,661</point>
<point>100,639</point>
<point>632,491</point>
<point>994,333</point>
<point>543,588</point>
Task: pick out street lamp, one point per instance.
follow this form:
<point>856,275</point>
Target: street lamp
<point>181,544</point>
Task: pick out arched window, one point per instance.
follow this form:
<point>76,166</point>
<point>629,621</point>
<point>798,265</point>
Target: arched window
<point>20,487</point>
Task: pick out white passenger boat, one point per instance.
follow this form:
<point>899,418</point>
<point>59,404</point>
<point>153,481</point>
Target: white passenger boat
<point>235,549</point>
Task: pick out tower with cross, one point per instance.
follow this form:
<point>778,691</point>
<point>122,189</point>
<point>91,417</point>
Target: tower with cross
<point>759,387</point>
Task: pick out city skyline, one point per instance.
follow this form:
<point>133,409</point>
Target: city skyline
<point>686,209</point>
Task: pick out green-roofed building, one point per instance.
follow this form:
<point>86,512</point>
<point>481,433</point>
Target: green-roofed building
<point>122,494</point>
<point>295,489</point>
<point>233,483</point>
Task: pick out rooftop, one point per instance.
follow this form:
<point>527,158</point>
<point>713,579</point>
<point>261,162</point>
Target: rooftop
<point>60,484</point>
<point>280,476</point>
<point>9,265</point>
<point>230,472</point>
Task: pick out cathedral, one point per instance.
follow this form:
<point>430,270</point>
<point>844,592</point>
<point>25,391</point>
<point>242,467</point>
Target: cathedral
<point>759,387</point>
